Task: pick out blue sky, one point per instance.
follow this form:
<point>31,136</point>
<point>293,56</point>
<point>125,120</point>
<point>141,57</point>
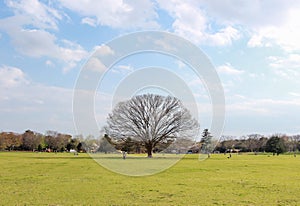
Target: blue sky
<point>254,46</point>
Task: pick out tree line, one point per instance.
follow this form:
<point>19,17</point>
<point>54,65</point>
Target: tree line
<point>276,144</point>
<point>154,123</point>
<point>255,143</point>
<point>53,141</point>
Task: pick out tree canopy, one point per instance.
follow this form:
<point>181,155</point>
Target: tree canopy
<point>150,119</point>
<point>206,142</point>
<point>275,145</point>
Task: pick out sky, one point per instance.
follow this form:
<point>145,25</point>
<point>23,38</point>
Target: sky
<point>253,45</point>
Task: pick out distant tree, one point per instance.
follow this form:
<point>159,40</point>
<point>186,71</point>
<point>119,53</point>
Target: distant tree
<point>150,119</point>
<point>57,141</point>
<point>10,141</point>
<point>73,144</point>
<point>275,145</point>
<point>90,143</point>
<point>293,143</point>
<point>105,146</point>
<point>128,145</point>
<point>182,146</point>
<point>3,140</point>
<point>262,144</point>
<point>64,139</point>
<point>251,143</point>
<point>50,140</point>
<point>16,141</point>
<point>227,144</point>
<point>79,147</point>
<point>206,142</point>
<point>31,140</point>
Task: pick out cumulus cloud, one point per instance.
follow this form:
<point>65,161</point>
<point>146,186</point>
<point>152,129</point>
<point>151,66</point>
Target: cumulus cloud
<point>295,94</point>
<point>115,13</point>
<point>102,50</point>
<point>29,32</point>
<point>252,14</point>
<point>224,37</point>
<point>122,69</point>
<point>267,23</point>
<point>192,22</point>
<point>41,106</point>
<point>291,61</point>
<point>262,107</point>
<point>94,64</point>
<point>231,77</point>
<point>180,64</point>
<point>125,67</point>
<point>40,43</point>
<point>271,22</point>
<point>40,15</point>
<point>89,21</point>
<point>49,63</point>
<point>11,77</point>
<point>286,67</point>
<point>229,69</point>
<point>285,35</point>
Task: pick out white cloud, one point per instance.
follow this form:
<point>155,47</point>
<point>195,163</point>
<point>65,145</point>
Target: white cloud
<point>295,94</point>
<point>71,53</point>
<point>49,63</point>
<point>229,69</point>
<point>262,107</point>
<point>231,77</point>
<point>117,14</point>
<point>180,64</point>
<point>35,43</point>
<point>29,35</point>
<point>40,15</point>
<point>286,67</point>
<point>266,116</point>
<point>38,104</point>
<point>89,21</point>
<point>257,75</point>
<point>291,61</point>
<point>125,67</point>
<point>192,22</point>
<point>40,43</point>
<point>11,77</point>
<point>268,23</point>
<point>102,50</point>
<point>94,64</point>
<point>256,41</point>
<point>284,33</point>
<point>224,36</point>
<point>165,44</point>
<point>253,13</point>
<point>122,69</point>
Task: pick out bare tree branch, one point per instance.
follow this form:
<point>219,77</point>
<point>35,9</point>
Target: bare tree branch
<point>151,119</point>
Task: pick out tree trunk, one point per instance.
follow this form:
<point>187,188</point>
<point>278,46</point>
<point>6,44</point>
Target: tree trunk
<point>149,150</point>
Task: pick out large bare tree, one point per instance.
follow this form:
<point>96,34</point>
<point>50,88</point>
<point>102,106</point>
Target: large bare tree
<point>150,119</point>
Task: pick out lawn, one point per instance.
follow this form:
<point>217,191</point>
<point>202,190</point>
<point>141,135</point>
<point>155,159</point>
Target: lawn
<point>65,179</point>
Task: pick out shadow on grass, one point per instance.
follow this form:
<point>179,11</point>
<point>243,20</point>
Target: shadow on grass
<point>102,156</point>
<point>54,157</point>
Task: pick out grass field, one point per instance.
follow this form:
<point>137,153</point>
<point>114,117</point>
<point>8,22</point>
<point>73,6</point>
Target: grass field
<point>65,179</point>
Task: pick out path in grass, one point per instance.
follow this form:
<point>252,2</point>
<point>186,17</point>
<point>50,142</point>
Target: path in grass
<point>65,179</point>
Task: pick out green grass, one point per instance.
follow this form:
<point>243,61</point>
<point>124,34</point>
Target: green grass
<point>65,179</point>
